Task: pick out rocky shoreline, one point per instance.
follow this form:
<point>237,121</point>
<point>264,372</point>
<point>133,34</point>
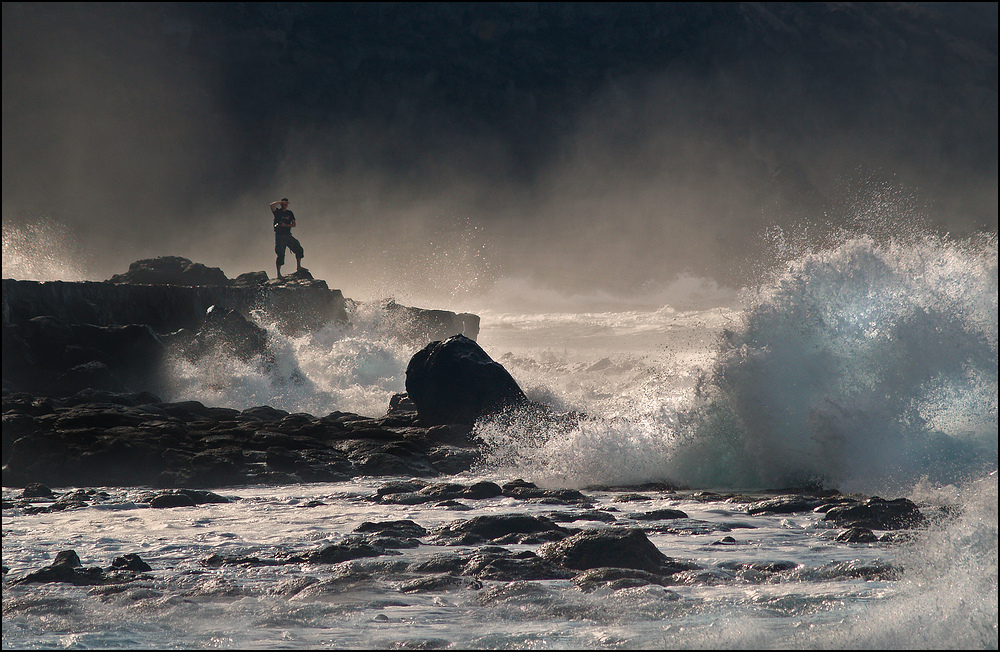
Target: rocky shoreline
<point>616,555</point>
<point>150,453</point>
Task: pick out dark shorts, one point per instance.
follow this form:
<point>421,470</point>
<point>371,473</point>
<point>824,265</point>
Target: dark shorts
<point>282,240</point>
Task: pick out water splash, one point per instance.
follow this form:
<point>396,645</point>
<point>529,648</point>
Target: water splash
<point>867,362</point>
<point>863,366</point>
<point>42,250</point>
<point>354,368</point>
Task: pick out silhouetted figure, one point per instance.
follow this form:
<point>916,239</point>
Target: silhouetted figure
<point>284,220</point>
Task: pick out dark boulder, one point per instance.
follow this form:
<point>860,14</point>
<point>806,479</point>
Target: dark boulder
<point>36,490</point>
<point>338,552</point>
<point>250,279</point>
<point>170,270</point>
<point>658,515</point>
<point>455,381</point>
<point>614,547</point>
<point>784,505</point>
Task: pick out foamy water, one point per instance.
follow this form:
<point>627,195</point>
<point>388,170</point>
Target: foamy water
<point>868,367</point>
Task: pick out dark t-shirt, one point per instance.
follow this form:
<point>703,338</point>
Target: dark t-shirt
<point>282,218</point>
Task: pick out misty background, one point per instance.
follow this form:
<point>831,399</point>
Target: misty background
<point>431,150</point>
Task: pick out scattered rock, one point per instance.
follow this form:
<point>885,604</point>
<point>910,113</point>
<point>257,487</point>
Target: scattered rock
<point>69,569</point>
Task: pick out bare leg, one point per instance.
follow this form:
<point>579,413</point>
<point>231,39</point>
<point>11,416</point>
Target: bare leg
<point>277,267</point>
<point>298,264</point>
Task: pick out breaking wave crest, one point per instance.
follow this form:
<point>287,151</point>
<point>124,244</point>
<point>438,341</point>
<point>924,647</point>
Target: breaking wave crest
<point>863,366</point>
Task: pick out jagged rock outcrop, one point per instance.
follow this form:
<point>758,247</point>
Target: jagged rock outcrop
<point>62,337</point>
<point>455,381</point>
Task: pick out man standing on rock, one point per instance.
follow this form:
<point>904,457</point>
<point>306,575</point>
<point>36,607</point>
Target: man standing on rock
<point>284,220</point>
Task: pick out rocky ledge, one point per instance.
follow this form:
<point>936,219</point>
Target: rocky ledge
<point>63,337</point>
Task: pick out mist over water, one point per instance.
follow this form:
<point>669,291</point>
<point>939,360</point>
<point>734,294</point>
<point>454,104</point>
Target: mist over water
<point>431,151</point>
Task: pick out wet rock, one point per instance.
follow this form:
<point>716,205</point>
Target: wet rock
<point>658,515</point>
<point>784,505</point>
<point>523,490</point>
<point>503,565</point>
<point>630,498</point>
<point>581,515</point>
<point>506,528</point>
<point>163,501</point>
<point>455,381</point>
<point>69,569</point>
<point>248,561</point>
<point>438,583</point>
<point>616,578</point>
<point>878,514</point>
<point>36,490</point>
<point>130,562</point>
<point>854,569</point>
<point>338,552</point>
<point>225,329</point>
<point>170,270</point>
<point>121,439</point>
<point>403,528</point>
<point>448,563</point>
<point>615,547</point>
<point>757,572</point>
<point>185,498</point>
<point>725,541</point>
<point>857,535</point>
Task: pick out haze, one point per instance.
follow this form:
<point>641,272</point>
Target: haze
<point>432,152</point>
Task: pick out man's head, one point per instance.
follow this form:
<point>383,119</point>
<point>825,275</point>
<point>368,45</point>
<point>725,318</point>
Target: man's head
<point>284,202</point>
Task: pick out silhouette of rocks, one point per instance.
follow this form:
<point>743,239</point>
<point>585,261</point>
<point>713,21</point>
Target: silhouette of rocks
<point>118,439</point>
<point>455,381</point>
<point>170,270</point>
<point>62,337</point>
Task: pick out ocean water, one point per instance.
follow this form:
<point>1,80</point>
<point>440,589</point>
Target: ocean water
<point>868,366</point>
